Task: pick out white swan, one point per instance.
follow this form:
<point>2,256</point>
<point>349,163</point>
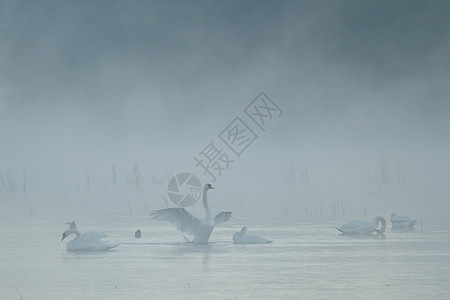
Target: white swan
<point>242,238</point>
<point>187,223</point>
<point>402,223</point>
<point>363,227</point>
<point>88,241</point>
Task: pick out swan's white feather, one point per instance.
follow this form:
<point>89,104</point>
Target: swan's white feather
<point>250,239</point>
<point>363,227</point>
<point>88,241</point>
<point>242,238</point>
<point>401,219</point>
<point>187,223</point>
<point>222,217</point>
<point>180,217</point>
<point>402,223</point>
<point>92,237</point>
<point>357,227</point>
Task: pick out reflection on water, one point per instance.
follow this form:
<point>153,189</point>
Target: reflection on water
<point>401,229</point>
<point>380,236</point>
<point>305,261</point>
<point>72,254</point>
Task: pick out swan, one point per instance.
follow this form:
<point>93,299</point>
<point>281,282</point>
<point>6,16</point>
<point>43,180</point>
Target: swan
<point>88,241</point>
<point>187,223</point>
<point>402,223</point>
<point>241,238</point>
<point>363,227</point>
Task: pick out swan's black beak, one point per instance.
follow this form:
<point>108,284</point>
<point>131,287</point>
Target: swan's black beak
<point>211,187</point>
<point>64,236</point>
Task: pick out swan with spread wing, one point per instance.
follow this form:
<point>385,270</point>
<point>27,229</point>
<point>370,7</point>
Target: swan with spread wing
<point>189,224</point>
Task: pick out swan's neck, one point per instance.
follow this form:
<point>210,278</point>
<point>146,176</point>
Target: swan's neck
<point>377,220</point>
<point>206,205</point>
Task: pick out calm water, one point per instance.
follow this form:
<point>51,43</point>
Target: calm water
<point>305,261</point>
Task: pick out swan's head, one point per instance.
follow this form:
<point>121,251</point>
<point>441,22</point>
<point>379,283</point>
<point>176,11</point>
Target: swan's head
<point>240,233</point>
<point>72,225</point>
<point>65,234</point>
<point>208,186</point>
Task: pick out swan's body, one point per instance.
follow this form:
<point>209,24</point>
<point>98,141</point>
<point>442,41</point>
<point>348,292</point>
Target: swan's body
<point>242,238</point>
<point>402,223</point>
<point>88,241</point>
<point>364,227</point>
<point>187,223</point>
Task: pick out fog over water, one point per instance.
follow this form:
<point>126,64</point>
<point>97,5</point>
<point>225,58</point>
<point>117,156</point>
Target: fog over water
<point>102,102</point>
<point>318,113</point>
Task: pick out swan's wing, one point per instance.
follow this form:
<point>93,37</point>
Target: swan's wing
<point>178,216</point>
<point>357,227</point>
<point>400,219</point>
<point>92,237</point>
<point>91,241</point>
<point>222,217</point>
<point>253,239</point>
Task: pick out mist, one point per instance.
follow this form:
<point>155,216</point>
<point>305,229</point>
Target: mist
<point>101,103</point>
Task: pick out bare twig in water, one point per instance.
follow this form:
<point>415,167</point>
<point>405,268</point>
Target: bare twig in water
<point>21,298</point>
<point>24,183</point>
<point>30,207</point>
<point>130,209</point>
<point>88,179</point>
<point>115,285</point>
<point>114,176</point>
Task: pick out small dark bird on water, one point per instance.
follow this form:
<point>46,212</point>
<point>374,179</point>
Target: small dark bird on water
<point>137,234</point>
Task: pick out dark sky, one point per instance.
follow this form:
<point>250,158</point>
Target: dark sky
<point>98,82</point>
